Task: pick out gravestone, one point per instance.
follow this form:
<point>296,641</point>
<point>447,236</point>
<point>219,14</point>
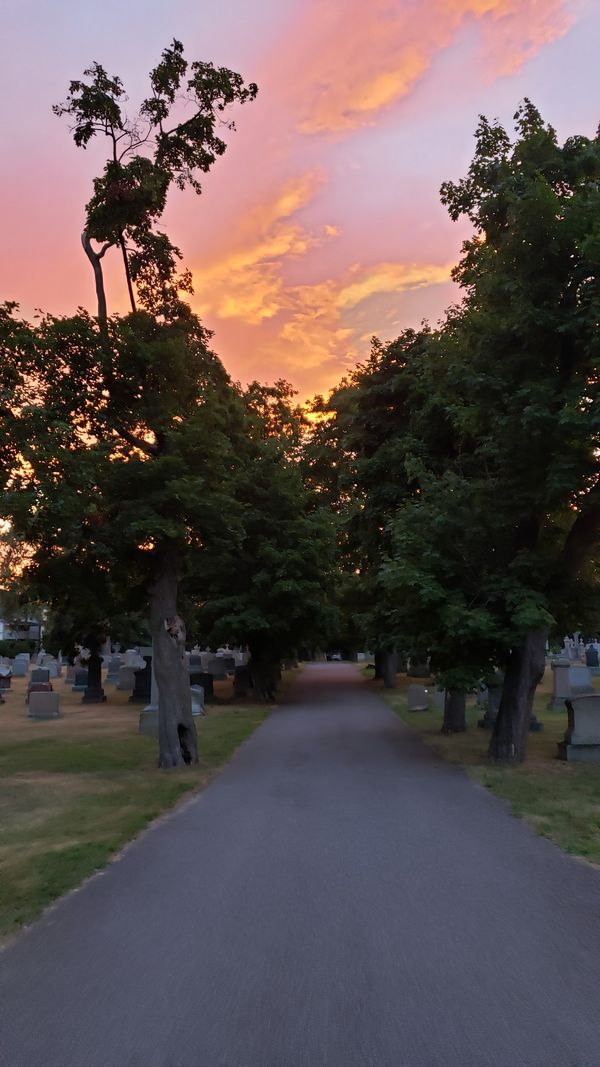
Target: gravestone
<point>581,742</point>
<point>53,669</point>
<point>114,666</point>
<point>197,700</point>
<point>43,705</point>
<point>418,670</point>
<point>417,699</point>
<point>580,680</point>
<point>37,687</point>
<point>493,696</point>
<point>81,680</point>
<point>216,667</point>
<point>126,680</point>
<point>70,674</point>
<point>591,657</point>
<point>142,688</point>
<point>204,679</point>
<point>439,698</point>
<point>561,686</point>
<point>40,674</point>
<point>20,668</point>
<point>5,681</point>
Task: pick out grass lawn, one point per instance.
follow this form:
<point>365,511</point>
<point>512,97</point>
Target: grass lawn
<point>74,790</point>
<point>561,800</point>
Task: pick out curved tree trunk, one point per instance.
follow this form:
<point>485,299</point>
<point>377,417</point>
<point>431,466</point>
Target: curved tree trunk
<point>523,673</point>
<point>94,258</point>
<point>455,703</point>
<point>389,666</point>
<point>176,728</point>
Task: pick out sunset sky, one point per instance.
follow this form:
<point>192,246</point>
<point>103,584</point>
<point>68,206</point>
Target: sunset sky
<point>322,225</point>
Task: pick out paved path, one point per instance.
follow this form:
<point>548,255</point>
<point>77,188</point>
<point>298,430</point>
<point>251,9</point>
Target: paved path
<point>337,898</point>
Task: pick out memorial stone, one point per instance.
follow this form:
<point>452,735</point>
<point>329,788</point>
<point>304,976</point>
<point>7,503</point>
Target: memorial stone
<point>81,680</point>
<point>40,674</point>
<point>143,679</point>
<point>126,680</point>
<point>43,705</point>
<point>580,680</point>
<point>417,699</point>
<point>581,742</point>
<point>561,686</point>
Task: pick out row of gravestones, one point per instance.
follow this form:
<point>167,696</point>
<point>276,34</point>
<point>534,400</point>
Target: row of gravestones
<point>135,674</point>
<point>572,688</point>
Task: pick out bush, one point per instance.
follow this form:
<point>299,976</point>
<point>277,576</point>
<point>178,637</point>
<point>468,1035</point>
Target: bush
<point>12,646</point>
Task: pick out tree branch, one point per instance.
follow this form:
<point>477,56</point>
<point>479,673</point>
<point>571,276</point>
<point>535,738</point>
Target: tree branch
<point>583,535</point>
<point>137,442</point>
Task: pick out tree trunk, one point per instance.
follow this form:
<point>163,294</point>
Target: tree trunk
<point>176,728</point>
<point>455,703</point>
<point>266,675</point>
<point>523,673</point>
<point>94,259</point>
<point>378,662</point>
<point>389,665</point>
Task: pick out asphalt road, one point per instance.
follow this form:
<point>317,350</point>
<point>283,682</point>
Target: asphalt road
<point>338,897</point>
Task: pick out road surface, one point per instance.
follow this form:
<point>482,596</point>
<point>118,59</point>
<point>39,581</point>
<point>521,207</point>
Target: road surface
<point>338,897</point>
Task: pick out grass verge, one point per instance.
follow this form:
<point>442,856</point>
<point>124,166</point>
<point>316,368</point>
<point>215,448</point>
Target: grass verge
<point>560,800</point>
<point>68,802</point>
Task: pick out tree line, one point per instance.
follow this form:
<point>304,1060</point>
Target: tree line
<point>443,503</point>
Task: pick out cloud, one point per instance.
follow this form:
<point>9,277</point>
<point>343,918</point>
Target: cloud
<point>359,64</point>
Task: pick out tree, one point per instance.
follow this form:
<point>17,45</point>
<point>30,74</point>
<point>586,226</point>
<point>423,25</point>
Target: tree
<point>525,382</point>
<point>271,589</point>
<point>138,405</point>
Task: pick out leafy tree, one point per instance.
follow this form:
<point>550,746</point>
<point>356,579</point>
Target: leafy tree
<point>271,589</point>
<point>126,466</point>
<point>525,385</point>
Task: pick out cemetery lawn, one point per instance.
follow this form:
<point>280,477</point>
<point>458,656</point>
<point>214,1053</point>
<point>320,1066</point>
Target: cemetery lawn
<point>559,800</point>
<point>75,790</point>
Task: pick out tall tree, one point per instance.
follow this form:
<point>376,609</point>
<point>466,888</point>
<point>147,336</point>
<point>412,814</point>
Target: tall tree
<point>155,394</point>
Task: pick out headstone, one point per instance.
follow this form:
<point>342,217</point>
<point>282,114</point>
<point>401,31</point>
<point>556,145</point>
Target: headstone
<point>591,657</point>
<point>38,687</point>
<point>126,679</point>
<point>581,742</point>
<point>43,705</point>
<point>40,674</point>
<point>417,699</point>
<point>5,681</point>
<point>439,698</point>
<point>418,669</point>
<point>70,674</point>
<point>114,666</point>
<point>132,658</point>
<point>580,679</point>
<point>561,686</point>
<point>195,660</point>
<point>197,700</point>
<point>493,698</point>
<point>205,680</point>
<point>216,667</point>
<point>149,716</point>
<point>81,680</point>
<point>52,666</point>
<point>20,668</point>
<point>143,679</point>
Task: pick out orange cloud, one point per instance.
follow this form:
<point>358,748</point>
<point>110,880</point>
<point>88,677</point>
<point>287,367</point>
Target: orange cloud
<point>360,66</point>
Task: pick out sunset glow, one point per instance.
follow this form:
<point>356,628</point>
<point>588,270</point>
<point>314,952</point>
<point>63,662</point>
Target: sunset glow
<point>321,225</point>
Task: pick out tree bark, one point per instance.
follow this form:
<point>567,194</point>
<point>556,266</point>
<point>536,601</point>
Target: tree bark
<point>265,674</point>
<point>389,665</point>
<point>176,728</point>
<point>455,703</point>
<point>523,673</point>
<point>127,273</point>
